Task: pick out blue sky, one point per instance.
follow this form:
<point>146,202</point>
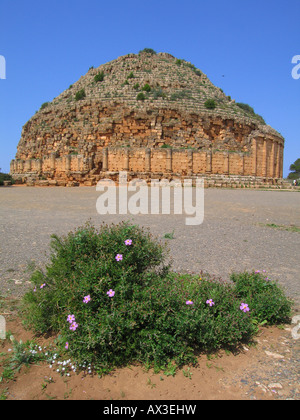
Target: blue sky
<point>48,45</point>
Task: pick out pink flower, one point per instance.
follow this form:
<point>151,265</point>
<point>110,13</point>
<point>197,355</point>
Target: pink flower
<point>110,293</point>
<point>189,302</point>
<point>86,299</point>
<point>210,302</point>
<point>71,318</point>
<point>67,346</point>
<point>128,242</point>
<point>42,285</point>
<point>244,307</point>
<point>74,326</point>
<point>119,257</point>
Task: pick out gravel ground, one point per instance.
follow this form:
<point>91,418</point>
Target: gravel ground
<point>234,235</point>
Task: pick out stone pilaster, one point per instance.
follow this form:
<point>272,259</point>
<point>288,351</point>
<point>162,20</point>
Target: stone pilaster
<point>105,159</point>
<point>68,163</point>
<point>169,160</point>
<point>147,160</point>
<point>208,162</point>
<point>226,163</point>
<point>265,159</point>
<point>272,161</point>
<point>277,174</point>
<point>52,161</point>
<point>190,155</point>
<point>39,165</point>
<point>126,160</point>
<point>27,166</point>
<point>254,157</point>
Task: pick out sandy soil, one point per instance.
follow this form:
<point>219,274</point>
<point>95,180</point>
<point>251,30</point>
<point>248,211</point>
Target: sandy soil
<point>267,370</point>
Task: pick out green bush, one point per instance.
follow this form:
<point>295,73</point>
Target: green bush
<point>111,296</point>
<point>99,77</point>
<point>265,297</point>
<point>249,110</point>
<point>80,95</point>
<point>5,177</point>
<point>44,105</point>
<point>210,104</point>
<point>146,88</point>
<point>148,51</point>
<point>140,96</point>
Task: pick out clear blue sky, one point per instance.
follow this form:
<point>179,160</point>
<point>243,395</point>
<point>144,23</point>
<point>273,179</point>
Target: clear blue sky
<point>48,45</point>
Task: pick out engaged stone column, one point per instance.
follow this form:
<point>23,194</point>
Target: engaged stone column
<point>105,159</point>
<point>226,163</point>
<point>68,163</point>
<point>27,165</point>
<point>52,161</point>
<point>254,157</point>
<point>265,159</point>
<point>39,165</point>
<point>169,160</point>
<point>148,160</point>
<point>20,166</point>
<point>243,164</point>
<point>272,159</point>
<point>190,162</point>
<point>208,162</point>
<point>278,161</point>
<point>126,160</point>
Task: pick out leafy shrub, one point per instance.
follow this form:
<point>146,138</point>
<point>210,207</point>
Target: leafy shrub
<point>148,51</point>
<point>112,298</point>
<point>80,95</point>
<point>246,108</point>
<point>99,77</point>
<point>265,297</point>
<point>295,168</point>
<point>5,177</point>
<point>44,105</point>
<point>146,88</point>
<point>130,76</point>
<point>136,86</point>
<point>193,67</point>
<point>140,96</point>
<point>210,104</point>
<point>249,110</point>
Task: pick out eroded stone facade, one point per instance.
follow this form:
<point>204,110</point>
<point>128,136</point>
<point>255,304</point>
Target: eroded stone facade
<point>80,142</point>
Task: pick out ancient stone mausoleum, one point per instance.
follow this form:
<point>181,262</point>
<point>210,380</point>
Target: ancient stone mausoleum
<point>154,116</point>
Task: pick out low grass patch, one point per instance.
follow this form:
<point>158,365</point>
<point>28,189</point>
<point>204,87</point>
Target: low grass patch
<point>290,228</point>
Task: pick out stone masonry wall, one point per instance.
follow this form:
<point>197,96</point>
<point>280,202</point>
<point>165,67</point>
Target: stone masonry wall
<point>264,161</point>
